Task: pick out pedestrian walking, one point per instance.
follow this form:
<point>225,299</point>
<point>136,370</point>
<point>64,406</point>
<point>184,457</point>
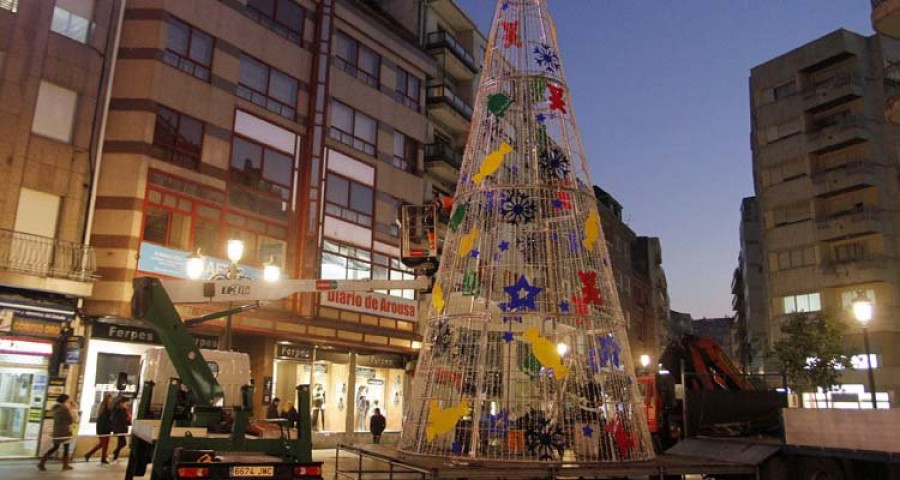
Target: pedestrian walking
<point>120,421</point>
<point>272,412</point>
<point>377,425</point>
<point>63,418</point>
<point>291,415</point>
<point>104,428</point>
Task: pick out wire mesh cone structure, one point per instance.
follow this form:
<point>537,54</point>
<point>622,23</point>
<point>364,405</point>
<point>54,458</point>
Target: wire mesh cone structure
<point>526,356</point>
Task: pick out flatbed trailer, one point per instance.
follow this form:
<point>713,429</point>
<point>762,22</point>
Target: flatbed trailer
<point>380,462</point>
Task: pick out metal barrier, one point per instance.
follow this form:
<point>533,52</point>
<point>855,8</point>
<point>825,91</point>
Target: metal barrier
<point>380,467</point>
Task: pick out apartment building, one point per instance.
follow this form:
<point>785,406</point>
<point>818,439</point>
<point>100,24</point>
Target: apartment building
<point>825,175</point>
<point>748,288</point>
<point>299,128</point>
<point>639,278</point>
<point>458,49</point>
<point>55,66</point>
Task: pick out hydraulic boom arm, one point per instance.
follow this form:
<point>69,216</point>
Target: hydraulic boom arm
<point>151,304</point>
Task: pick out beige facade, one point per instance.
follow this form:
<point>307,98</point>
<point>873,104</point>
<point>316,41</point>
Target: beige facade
<point>55,68</point>
<point>825,174</point>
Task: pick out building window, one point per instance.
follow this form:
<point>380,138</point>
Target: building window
<point>179,138</point>
<point>343,262</point>
<point>349,200</point>
<point>11,5</point>
<point>353,128</point>
<point>181,222</point>
<point>406,152</point>
<point>808,302</point>
<point>188,49</point>
<point>408,89</point>
<point>390,268</point>
<point>54,113</point>
<point>796,258</point>
<point>72,18</point>
<point>357,59</point>
<point>261,168</point>
<point>850,252</point>
<point>848,296</point>
<point>785,90</point>
<point>267,87</point>
<point>791,214</point>
<point>263,241</point>
<point>283,16</point>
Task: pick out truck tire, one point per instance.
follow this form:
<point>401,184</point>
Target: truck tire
<point>813,468</point>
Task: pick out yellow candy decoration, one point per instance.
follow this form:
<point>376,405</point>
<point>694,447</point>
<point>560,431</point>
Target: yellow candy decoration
<point>443,420</point>
<point>437,298</point>
<point>545,351</point>
<point>467,242</point>
<point>591,231</point>
<point>492,162</point>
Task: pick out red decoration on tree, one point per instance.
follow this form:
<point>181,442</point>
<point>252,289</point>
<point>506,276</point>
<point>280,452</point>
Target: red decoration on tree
<point>564,200</point>
<point>556,98</point>
<point>511,34</point>
<point>589,291</point>
<point>581,307</point>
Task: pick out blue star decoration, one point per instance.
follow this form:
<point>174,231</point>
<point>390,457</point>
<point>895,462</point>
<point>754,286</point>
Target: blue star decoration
<point>505,6</point>
<point>522,295</point>
<point>587,431</point>
<point>564,306</point>
<point>554,236</point>
<point>456,447</point>
<point>507,337</point>
<point>475,253</point>
<point>557,204</point>
<point>504,246</point>
<point>541,118</point>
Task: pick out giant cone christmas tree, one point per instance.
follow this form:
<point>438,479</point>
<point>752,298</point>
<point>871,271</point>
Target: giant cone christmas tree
<point>525,356</point>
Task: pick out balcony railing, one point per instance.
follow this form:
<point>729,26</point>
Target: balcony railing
<point>443,93</point>
<point>442,151</point>
<point>47,257</point>
<point>444,39</point>
<point>832,82</point>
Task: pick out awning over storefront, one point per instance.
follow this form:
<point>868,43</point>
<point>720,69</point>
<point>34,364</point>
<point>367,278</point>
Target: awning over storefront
<point>40,311</point>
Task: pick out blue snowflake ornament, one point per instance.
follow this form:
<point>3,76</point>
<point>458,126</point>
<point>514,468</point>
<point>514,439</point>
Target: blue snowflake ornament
<point>517,208</point>
<point>546,57</point>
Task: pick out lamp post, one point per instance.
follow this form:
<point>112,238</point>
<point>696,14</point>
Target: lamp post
<point>862,310</point>
<point>235,251</point>
<point>645,362</point>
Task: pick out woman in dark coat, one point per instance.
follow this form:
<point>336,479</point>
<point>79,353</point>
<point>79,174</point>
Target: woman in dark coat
<point>104,428</point>
<point>121,420</point>
<point>63,418</point>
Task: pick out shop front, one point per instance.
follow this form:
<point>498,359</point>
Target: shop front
<point>30,337</point>
<point>114,349</point>
<point>345,388</point>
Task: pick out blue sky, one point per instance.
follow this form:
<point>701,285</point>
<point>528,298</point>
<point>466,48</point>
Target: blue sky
<point>660,89</point>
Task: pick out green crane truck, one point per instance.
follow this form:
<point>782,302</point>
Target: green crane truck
<point>182,443</point>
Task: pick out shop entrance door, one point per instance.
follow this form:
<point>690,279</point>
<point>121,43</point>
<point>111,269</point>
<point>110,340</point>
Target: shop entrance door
<point>22,391</point>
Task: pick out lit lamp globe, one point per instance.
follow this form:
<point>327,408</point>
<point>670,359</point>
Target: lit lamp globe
<point>195,266</point>
<point>645,360</point>
<point>862,309</point>
<point>271,273</point>
<point>562,349</point>
<point>235,250</point>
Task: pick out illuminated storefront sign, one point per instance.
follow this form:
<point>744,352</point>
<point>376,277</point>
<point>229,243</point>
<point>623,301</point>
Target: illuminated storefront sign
<point>26,347</point>
<point>173,263</point>
<point>377,304</point>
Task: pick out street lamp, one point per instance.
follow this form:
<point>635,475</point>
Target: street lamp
<point>645,361</point>
<point>234,250</point>
<point>862,310</point>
